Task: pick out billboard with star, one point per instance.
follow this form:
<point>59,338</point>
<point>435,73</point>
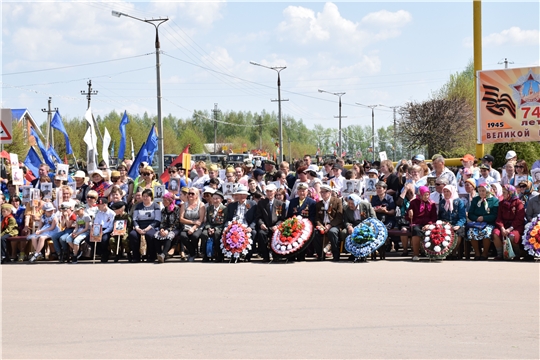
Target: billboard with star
<point>508,105</point>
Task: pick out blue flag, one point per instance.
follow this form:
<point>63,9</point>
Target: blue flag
<point>151,144</point>
<point>122,147</point>
<point>33,161</point>
<point>57,124</point>
<point>53,155</point>
<point>41,147</point>
<point>134,170</point>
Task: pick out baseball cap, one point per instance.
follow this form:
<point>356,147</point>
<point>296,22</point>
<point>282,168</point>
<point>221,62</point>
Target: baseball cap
<point>488,158</point>
<point>467,157</point>
<point>510,154</point>
<point>419,157</point>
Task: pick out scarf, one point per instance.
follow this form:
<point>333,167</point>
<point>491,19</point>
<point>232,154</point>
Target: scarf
<point>424,205</point>
<point>449,203</point>
<point>355,198</point>
<point>483,202</point>
<point>170,197</point>
<point>512,194</point>
<point>5,221</point>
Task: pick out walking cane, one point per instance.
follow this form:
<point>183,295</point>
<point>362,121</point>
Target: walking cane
<point>118,245</point>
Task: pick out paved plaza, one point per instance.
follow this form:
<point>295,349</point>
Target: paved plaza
<point>382,309</point>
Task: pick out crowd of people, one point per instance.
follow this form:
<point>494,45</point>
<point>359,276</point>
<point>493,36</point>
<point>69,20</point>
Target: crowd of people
<point>108,214</point>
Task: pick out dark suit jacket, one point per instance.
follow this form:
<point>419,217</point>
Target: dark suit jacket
<point>335,212</point>
<point>366,211</point>
<point>250,213</point>
<point>218,221</point>
<point>307,210</point>
<point>270,217</point>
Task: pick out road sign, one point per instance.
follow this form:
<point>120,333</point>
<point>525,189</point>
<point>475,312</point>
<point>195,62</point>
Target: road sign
<point>6,119</point>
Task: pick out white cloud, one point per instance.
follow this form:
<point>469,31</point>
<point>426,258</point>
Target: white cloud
<point>219,57</point>
<point>514,35</point>
<point>304,26</point>
<point>201,13</point>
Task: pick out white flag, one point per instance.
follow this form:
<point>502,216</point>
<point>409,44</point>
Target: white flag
<point>90,151</point>
<point>88,116</point>
<point>105,150</point>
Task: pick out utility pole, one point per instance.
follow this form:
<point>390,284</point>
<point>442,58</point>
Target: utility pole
<point>50,135</point>
<point>88,95</point>
<point>260,133</point>
<point>215,111</point>
<point>290,152</point>
<point>506,62</point>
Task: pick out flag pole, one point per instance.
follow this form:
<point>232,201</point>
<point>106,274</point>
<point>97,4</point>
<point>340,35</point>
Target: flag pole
<point>132,150</point>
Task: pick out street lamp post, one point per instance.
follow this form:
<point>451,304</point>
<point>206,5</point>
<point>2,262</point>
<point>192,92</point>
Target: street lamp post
<point>277,69</point>
<point>155,23</point>
<point>372,107</point>
<point>338,94</point>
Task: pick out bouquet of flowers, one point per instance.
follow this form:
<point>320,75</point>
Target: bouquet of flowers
<point>531,240</point>
<point>236,240</point>
<point>366,238</point>
<point>291,236</point>
<point>439,240</point>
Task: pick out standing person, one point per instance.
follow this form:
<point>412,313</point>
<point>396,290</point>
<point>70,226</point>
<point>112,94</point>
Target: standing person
<point>202,177</point>
<point>49,227</point>
<point>146,219</point>
<point>216,213</point>
<point>510,222</point>
<point>105,218</point>
<point>483,211</point>
<point>192,217</point>
<point>422,212</point>
<point>440,170</point>
<point>386,171</point>
<point>169,228</point>
<point>81,186</point>
<point>127,181</point>
<point>328,221</point>
<point>270,213</point>
<point>270,171</point>
<point>43,171</point>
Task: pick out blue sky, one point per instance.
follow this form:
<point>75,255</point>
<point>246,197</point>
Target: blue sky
<point>378,53</point>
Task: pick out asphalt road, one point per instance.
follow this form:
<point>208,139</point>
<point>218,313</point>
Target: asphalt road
<point>382,309</point>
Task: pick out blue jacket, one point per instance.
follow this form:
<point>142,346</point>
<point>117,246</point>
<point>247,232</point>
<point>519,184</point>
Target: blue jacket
<point>295,209</point>
<point>457,217</point>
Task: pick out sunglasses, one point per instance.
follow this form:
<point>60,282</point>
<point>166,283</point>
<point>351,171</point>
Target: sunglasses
<point>523,186</point>
<point>90,197</point>
<point>518,166</point>
<point>172,171</point>
<point>191,193</point>
<point>145,174</point>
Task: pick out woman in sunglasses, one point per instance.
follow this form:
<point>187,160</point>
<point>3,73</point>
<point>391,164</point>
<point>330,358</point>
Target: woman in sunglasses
<point>522,173</point>
<point>148,180</point>
<point>192,215</point>
<point>526,192</point>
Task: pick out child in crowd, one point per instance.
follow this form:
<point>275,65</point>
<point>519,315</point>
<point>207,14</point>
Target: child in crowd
<point>105,218</point>
<point>49,227</point>
<point>80,232</point>
<point>9,228</point>
<point>66,223</point>
<point>119,209</point>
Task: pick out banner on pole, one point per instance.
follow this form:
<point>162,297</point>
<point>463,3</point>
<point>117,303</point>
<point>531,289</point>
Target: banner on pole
<point>508,105</point>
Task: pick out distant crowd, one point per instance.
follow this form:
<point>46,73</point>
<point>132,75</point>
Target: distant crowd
<point>183,213</point>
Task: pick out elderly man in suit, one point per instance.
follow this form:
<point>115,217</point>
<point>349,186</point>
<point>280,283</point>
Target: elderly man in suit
<point>244,211</point>
<point>328,221</point>
<point>303,206</point>
<point>270,213</point>
<point>216,213</point>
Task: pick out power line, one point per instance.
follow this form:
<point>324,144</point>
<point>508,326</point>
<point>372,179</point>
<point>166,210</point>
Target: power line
<point>78,65</point>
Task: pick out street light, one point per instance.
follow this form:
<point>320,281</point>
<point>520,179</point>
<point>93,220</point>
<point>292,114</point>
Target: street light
<point>155,23</point>
<point>339,94</point>
<point>372,126</point>
<point>395,136</point>
<point>277,69</point>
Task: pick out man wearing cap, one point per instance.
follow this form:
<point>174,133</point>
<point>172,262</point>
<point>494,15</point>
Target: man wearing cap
<point>418,159</point>
<point>270,169</point>
<point>119,208</point>
<point>105,218</point>
<point>304,206</point>
<point>270,213</point>
<point>484,176</point>
<point>216,213</point>
<point>81,186</point>
<point>488,161</point>
<point>328,221</point>
<point>244,211</point>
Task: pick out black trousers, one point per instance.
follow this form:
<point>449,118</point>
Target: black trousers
<point>333,237</point>
<point>264,237</point>
<point>163,246</point>
<point>104,247</point>
<point>191,241</point>
<point>134,239</point>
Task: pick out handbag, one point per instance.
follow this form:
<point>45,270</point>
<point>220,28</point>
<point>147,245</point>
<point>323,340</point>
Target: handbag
<point>480,225</point>
<point>508,251</point>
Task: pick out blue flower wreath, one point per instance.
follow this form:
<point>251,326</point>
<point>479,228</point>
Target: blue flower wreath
<point>366,238</point>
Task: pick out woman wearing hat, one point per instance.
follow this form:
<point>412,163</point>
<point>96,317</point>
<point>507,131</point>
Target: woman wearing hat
<point>49,226</point>
<point>99,184</point>
<point>422,212</point>
<point>81,186</point>
<point>482,213</point>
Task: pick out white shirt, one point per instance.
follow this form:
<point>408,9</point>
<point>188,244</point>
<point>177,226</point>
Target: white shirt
<point>106,219</point>
<point>326,205</point>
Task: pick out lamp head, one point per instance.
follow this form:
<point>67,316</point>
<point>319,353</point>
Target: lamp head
<point>116,13</point>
